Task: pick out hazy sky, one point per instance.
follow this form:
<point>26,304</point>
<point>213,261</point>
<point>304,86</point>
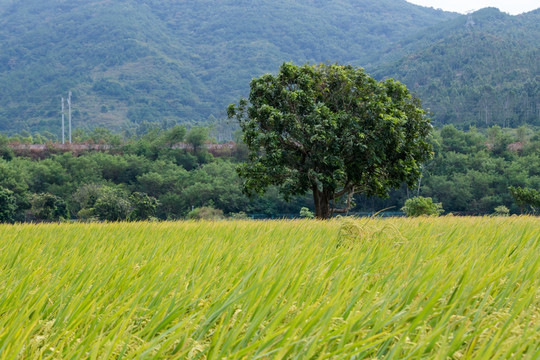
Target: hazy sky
<point>513,7</point>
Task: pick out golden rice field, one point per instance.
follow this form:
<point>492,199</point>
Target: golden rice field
<point>427,288</point>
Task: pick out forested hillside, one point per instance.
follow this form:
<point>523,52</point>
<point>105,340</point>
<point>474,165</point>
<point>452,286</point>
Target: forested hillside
<point>132,62</point>
<point>482,69</point>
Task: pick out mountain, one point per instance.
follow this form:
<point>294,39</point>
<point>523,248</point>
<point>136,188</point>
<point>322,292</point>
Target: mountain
<point>131,62</point>
<point>482,69</point>
<point>134,63</point>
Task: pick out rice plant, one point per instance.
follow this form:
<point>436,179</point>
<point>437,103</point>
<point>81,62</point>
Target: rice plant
<point>423,288</point>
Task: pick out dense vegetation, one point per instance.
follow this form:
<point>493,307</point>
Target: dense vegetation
<point>180,179</point>
<point>395,288</point>
<point>131,62</point>
<point>470,173</point>
<point>472,170</point>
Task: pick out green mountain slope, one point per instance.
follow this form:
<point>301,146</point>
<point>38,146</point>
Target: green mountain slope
<point>101,51</point>
<point>482,69</point>
<point>131,62</point>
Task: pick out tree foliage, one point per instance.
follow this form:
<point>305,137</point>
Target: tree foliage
<point>196,136</point>
<point>143,206</point>
<point>525,197</point>
<point>112,205</point>
<point>332,130</point>
<point>48,207</point>
<point>8,206</point>
<point>501,210</point>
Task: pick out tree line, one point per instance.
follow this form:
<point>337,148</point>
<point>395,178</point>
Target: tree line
<point>144,177</point>
<point>472,171</point>
<point>138,178</point>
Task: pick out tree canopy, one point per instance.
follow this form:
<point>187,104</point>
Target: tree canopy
<point>525,197</point>
<point>331,129</point>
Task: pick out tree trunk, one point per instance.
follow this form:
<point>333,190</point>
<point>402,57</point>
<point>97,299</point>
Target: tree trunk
<point>322,203</point>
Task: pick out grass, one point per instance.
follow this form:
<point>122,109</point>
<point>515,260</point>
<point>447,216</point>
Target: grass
<point>426,288</point>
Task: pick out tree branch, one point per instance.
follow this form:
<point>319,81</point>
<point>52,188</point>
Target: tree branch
<point>346,189</point>
<point>350,190</point>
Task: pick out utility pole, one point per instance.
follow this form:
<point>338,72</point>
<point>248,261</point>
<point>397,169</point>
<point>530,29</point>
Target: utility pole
<point>69,115</point>
<point>63,131</point>
<point>420,180</point>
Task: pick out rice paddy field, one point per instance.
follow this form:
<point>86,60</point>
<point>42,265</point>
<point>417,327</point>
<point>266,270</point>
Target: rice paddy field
<point>424,288</point>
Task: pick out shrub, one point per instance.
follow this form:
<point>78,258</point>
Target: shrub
<point>205,213</point>
<point>87,215</point>
<point>420,205</point>
<point>239,216</point>
<point>501,210</point>
<point>305,213</point>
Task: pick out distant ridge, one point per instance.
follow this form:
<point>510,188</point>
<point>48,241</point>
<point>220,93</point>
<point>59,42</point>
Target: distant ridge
<point>136,64</point>
<point>130,63</point>
<point>482,69</point>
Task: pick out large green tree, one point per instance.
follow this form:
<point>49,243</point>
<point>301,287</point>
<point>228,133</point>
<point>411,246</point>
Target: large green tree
<point>331,129</point>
